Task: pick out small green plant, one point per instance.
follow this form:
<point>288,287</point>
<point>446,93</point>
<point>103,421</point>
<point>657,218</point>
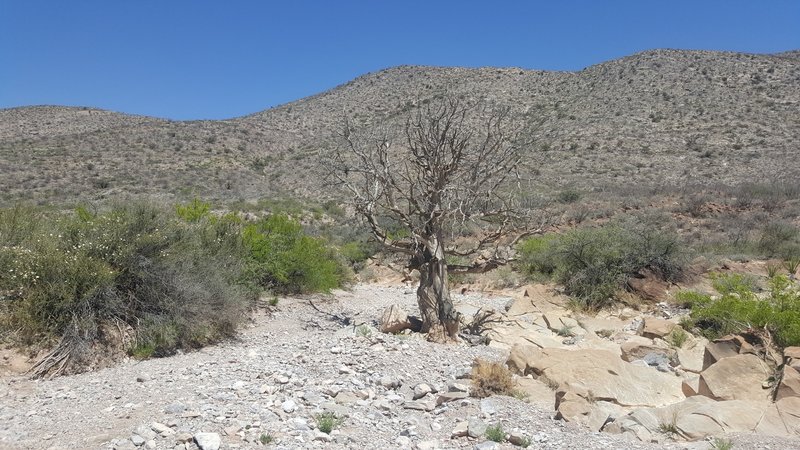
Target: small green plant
<point>677,337</point>
<point>143,351</point>
<point>791,265</point>
<point>772,270</point>
<point>519,394</point>
<point>670,427</point>
<point>266,439</point>
<point>565,331</point>
<point>327,421</point>
<point>721,444</point>
<point>273,302</point>
<point>495,433</point>
<point>363,330</point>
<point>740,308</point>
<point>193,211</point>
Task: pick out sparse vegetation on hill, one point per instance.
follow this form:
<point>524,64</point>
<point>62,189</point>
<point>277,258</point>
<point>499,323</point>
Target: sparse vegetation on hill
<point>594,263</point>
<point>654,119</point>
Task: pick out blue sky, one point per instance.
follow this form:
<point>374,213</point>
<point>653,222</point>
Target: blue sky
<point>198,59</point>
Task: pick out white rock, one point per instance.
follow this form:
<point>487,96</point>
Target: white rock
<point>421,390</point>
<point>322,437</point>
<point>476,428</point>
<point>461,430</point>
<point>289,406</point>
<point>208,441</point>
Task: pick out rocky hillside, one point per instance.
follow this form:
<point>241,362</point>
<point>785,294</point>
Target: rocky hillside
<point>662,117</point>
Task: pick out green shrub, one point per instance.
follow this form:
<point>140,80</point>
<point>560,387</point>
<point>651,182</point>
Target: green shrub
<point>536,255</point>
<point>193,211</point>
<point>284,259</point>
<point>356,253</point>
<point>721,444</point>
<point>495,433</point>
<point>690,299</point>
<point>175,284</point>
<point>733,283</point>
<point>327,421</point>
<point>594,263</point>
<point>739,309</point>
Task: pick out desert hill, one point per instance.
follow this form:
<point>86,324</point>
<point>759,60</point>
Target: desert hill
<point>661,117</point>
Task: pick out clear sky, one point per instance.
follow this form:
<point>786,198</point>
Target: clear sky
<point>194,59</point>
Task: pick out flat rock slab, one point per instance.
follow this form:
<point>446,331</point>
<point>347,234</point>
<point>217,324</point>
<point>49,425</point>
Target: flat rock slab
<point>738,377</point>
<point>653,327</point>
<point>208,441</point>
<point>600,372</point>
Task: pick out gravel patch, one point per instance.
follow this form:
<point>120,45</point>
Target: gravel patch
<point>270,387</point>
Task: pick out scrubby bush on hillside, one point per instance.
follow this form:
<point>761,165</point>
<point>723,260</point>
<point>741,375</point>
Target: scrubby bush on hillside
<point>166,281</point>
<point>356,253</point>
<point>739,308</point>
<point>779,239</point>
<point>594,263</point>
<point>173,283</point>
<point>284,259</point>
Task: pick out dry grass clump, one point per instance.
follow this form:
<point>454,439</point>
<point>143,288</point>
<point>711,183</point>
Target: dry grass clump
<point>490,378</point>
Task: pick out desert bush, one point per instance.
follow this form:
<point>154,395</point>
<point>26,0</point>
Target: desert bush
<point>779,239</point>
<point>173,283</point>
<point>327,421</point>
<point>739,308</point>
<point>594,263</point>
<point>490,378</point>
<point>495,433</point>
<point>535,255</point>
<point>568,196</point>
<point>284,259</point>
<point>194,210</point>
<point>356,253</point>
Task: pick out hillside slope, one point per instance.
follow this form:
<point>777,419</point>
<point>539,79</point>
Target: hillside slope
<point>662,117</point>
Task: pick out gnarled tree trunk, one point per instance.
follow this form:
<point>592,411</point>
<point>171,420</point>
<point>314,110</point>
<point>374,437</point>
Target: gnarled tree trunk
<point>439,319</point>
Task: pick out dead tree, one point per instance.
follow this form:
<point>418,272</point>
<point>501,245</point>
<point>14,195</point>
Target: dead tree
<point>444,183</point>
